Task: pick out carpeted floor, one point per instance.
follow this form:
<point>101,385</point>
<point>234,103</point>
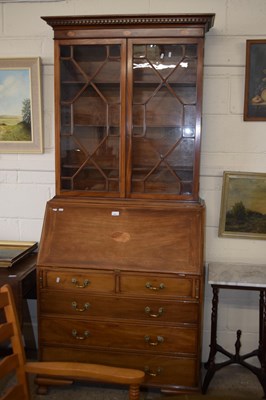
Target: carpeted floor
<point>231,383</point>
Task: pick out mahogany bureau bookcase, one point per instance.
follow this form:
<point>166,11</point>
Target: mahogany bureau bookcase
<point>120,263</point>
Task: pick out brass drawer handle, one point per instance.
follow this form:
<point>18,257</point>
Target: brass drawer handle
<point>76,283</point>
<point>84,308</point>
<point>148,310</point>
<point>148,371</point>
<point>149,286</point>
<point>160,339</point>
<point>76,336</point>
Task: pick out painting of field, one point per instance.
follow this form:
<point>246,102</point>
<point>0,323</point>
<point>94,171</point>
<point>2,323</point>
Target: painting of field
<point>15,105</point>
<point>243,208</point>
<point>12,129</point>
<point>20,106</point>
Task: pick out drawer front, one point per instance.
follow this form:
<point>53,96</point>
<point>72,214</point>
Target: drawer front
<point>93,306</point>
<point>159,370</point>
<point>79,280</point>
<point>159,285</point>
<point>144,337</point>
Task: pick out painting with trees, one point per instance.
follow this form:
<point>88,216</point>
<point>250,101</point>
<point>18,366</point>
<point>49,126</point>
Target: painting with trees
<point>20,106</point>
<point>243,205</point>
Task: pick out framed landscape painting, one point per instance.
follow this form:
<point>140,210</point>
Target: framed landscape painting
<point>20,106</point>
<point>243,205</point>
<point>255,82</point>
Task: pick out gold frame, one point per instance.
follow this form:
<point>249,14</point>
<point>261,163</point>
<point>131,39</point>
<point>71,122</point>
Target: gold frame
<point>35,145</point>
<point>13,251</point>
<point>243,206</point>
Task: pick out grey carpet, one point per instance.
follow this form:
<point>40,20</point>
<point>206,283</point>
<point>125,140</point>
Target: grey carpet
<point>230,383</point>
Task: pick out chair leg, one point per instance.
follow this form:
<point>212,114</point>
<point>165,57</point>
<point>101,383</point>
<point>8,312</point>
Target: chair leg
<point>134,392</point>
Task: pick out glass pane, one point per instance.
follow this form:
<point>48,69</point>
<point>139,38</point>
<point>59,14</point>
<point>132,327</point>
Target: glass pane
<point>90,117</point>
<point>164,118</point>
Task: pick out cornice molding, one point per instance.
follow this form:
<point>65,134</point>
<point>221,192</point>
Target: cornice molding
<point>206,20</point>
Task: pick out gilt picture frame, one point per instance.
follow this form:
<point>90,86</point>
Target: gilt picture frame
<point>243,205</point>
<point>12,251</point>
<point>255,81</point>
<point>20,106</point>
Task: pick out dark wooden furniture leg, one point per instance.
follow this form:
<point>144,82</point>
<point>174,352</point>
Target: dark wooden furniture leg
<point>210,364</point>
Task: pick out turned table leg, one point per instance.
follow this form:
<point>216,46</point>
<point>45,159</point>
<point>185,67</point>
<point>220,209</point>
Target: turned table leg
<point>210,364</point>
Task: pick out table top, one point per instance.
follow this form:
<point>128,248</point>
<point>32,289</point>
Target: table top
<point>237,274</point>
<point>19,270</point>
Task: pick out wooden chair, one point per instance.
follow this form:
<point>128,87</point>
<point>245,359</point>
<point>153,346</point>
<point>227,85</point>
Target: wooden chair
<point>16,362</point>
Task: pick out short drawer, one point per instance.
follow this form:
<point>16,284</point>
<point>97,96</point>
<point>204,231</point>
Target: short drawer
<point>159,285</point>
<point>145,337</point>
<point>100,306</point>
<point>79,280</point>
<point>160,370</point>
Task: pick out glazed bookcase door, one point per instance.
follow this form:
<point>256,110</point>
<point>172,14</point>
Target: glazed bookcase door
<point>164,93</point>
<point>90,117</point>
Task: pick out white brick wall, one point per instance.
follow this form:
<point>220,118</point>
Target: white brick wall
<point>229,143</point>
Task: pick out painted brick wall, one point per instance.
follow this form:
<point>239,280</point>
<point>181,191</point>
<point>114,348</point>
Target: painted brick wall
<point>229,143</point>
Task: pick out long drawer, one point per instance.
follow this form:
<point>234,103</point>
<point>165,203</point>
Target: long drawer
<point>90,306</point>
<point>159,370</point>
<point>107,334</point>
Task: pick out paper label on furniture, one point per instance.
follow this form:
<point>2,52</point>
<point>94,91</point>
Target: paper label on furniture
<point>115,213</point>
